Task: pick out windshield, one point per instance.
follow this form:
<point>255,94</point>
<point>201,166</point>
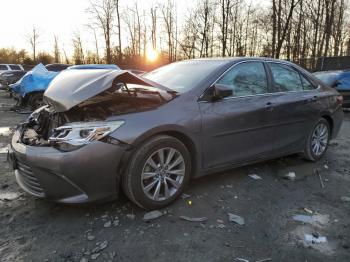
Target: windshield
<point>183,76</point>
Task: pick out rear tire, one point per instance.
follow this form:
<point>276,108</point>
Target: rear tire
<point>157,173</point>
<point>317,141</point>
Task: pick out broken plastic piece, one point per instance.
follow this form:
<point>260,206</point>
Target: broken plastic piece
<point>194,219</point>
<point>236,219</point>
<point>255,176</point>
<point>315,239</point>
<point>290,176</point>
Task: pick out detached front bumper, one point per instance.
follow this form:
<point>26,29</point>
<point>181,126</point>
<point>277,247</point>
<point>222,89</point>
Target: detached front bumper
<point>84,175</point>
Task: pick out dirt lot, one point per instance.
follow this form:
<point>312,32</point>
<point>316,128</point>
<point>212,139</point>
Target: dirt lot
<point>37,230</point>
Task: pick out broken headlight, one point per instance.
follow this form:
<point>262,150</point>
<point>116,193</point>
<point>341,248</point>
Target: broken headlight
<point>77,134</point>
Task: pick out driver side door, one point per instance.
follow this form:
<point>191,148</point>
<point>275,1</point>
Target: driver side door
<point>241,127</point>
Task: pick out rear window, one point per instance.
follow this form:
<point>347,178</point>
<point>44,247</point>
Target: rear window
<point>3,67</point>
<point>286,79</point>
<point>15,67</point>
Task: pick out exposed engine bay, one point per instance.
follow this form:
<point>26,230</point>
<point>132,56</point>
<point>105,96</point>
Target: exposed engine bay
<point>46,127</point>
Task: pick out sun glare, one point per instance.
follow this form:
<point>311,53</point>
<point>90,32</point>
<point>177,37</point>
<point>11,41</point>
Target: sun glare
<point>152,55</point>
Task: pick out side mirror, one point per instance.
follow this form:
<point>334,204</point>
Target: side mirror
<point>221,91</point>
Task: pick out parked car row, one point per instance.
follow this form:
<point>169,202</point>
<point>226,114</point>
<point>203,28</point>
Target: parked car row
<point>109,129</point>
<point>339,80</point>
<point>10,67</point>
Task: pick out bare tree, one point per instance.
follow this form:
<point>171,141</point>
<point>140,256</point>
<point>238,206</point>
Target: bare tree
<point>169,22</point>
<point>102,13</point>
<point>78,54</point>
<point>33,39</point>
<point>117,8</point>
<point>56,50</point>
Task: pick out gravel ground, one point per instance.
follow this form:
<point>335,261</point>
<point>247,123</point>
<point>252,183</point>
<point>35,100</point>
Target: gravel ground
<point>38,230</point>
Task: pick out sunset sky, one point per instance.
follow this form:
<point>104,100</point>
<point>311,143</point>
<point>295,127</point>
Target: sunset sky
<point>52,17</point>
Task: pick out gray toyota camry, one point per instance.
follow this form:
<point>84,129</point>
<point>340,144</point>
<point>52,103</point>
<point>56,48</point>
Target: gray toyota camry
<point>106,130</point>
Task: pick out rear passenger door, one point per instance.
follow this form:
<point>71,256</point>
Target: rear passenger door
<point>296,104</point>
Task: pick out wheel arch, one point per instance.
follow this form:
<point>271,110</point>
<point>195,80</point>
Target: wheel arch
<point>330,122</point>
<point>182,137</point>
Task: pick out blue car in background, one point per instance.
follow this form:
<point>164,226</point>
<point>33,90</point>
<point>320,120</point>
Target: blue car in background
<point>30,88</point>
<point>340,80</point>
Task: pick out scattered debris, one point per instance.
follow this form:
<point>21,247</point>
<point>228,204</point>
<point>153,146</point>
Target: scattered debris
<point>107,224</point>
<point>99,247</point>
<point>345,199</point>
<point>153,215</point>
<point>319,176</point>
<point>90,237</point>
<point>326,167</point>
<point>184,196</point>
<point>4,150</point>
<point>9,196</point>
<point>241,259</point>
<point>194,219</point>
<point>264,259</point>
<point>103,245</point>
<point>5,131</point>
<point>131,216</point>
<point>116,221</point>
<point>221,226</point>
<point>255,176</point>
<point>315,238</point>
<point>316,220</point>
<point>290,176</point>
<point>236,219</point>
<point>308,210</point>
<point>95,256</point>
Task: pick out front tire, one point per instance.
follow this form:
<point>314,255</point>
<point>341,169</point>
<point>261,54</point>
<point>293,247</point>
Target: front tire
<point>317,141</point>
<point>158,172</point>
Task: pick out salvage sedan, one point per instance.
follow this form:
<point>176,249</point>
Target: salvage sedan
<point>105,130</point>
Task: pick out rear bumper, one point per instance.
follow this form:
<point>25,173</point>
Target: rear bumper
<point>85,175</point>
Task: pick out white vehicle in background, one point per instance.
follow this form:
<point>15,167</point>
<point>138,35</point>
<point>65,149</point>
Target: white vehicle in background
<point>10,67</point>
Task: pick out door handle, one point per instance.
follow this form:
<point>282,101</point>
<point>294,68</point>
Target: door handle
<point>269,106</point>
<point>314,98</point>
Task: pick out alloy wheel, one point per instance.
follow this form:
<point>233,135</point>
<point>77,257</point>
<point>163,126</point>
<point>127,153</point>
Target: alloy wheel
<point>163,174</point>
<point>319,139</point>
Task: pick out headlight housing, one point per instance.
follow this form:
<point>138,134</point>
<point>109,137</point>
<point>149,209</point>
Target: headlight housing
<point>81,133</point>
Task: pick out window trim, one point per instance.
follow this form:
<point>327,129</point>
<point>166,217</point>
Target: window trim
<point>296,70</point>
<point>268,81</point>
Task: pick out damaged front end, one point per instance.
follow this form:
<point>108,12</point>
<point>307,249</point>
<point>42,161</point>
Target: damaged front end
<point>47,128</point>
<point>84,114</point>
<point>64,151</point>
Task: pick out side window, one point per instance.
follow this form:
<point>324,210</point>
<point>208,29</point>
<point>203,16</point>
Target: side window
<point>307,85</point>
<point>3,67</point>
<point>245,79</point>
<point>285,78</point>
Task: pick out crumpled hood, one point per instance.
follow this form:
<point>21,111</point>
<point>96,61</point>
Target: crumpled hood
<point>72,87</point>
